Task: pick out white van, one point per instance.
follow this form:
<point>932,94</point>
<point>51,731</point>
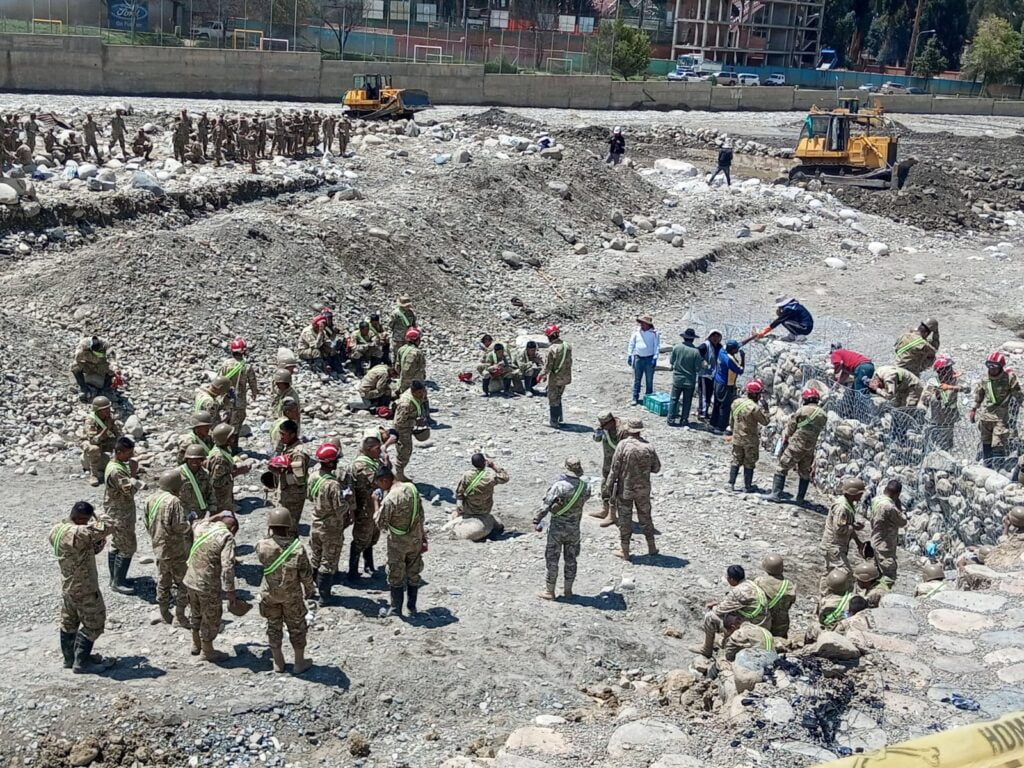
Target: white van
<point>746,78</point>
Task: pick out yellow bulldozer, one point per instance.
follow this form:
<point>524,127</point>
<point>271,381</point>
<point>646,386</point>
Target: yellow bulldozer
<point>850,145</point>
<point>373,97</point>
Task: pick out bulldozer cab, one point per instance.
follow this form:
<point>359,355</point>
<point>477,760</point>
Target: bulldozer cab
<point>371,84</point>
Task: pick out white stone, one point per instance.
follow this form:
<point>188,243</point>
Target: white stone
<point>959,622</point>
<point>8,196</point>
<point>920,278</point>
<point>835,263</point>
<point>675,167</point>
<point>848,214</point>
<point>789,222</point>
<point>647,733</point>
<point>543,740</point>
<point>878,249</point>
<point>87,170</point>
<point>548,720</point>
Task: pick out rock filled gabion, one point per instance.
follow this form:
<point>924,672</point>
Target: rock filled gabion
<point>951,500</point>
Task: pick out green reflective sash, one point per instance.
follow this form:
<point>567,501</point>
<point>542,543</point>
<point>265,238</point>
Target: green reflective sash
<point>366,461</point>
<point>910,345</point>
<point>215,528</point>
<point>783,588</point>
<point>314,490</point>
<point>115,466</point>
<point>195,485</point>
<point>475,482</point>
<point>580,485</point>
<point>806,422</point>
<point>99,422</point>
<point>743,407</point>
<point>234,370</point>
<point>201,400</point>
<point>769,641</point>
<point>275,429</point>
<point>759,606</point>
<point>288,552</point>
<point>154,504</point>
<point>405,318</point>
<point>833,617</point>
<point>942,586</point>
<point>404,353</point>
<point>199,441</point>
<point>419,407</point>
<point>412,518</point>
<point>609,442</point>
<point>57,536</point>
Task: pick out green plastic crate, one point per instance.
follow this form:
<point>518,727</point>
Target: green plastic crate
<point>657,403</point>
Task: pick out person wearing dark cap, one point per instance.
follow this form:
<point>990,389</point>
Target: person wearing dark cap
<point>686,363</point>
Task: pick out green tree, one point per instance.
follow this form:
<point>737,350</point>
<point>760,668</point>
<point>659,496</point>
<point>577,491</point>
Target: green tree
<point>994,51</point>
<point>1020,61</point>
<point>632,53</point>
<point>930,61</point>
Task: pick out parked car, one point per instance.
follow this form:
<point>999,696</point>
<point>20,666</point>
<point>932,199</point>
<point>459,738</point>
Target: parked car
<point>748,78</point>
<point>209,30</point>
<point>868,88</point>
<point>727,78</point>
<point>915,90</point>
<point>683,75</point>
<point>894,88</point>
<point>775,79</point>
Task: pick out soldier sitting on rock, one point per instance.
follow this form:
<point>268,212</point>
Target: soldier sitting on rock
<point>740,635</point>
<point>869,584</point>
<point>745,601</point>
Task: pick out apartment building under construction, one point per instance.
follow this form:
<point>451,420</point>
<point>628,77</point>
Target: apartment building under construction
<point>752,33</point>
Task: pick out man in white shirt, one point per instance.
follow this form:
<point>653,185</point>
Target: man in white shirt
<point>642,355</point>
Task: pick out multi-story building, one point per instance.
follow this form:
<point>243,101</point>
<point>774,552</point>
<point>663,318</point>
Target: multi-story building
<point>753,33</point>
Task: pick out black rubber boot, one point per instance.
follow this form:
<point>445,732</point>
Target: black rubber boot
<point>83,654</point>
<point>986,455</point>
<point>553,416</point>
<point>368,566</point>
<point>121,583</point>
<point>397,596</point>
<point>410,602</point>
<point>506,386</point>
<point>733,473</point>
<point>778,483</point>
<point>112,565</point>
<point>559,414</point>
<point>530,382</point>
<point>486,385</point>
<point>67,648</point>
<point>323,587</point>
<point>801,490</point>
<point>748,480</point>
<point>353,563</point>
<point>83,387</point>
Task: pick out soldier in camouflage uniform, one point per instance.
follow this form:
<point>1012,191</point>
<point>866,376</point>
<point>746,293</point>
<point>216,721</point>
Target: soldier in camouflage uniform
<point>289,412</point>
<point>118,130</point>
<point>915,350</point>
<point>291,479</point>
<point>996,395</point>
<point>887,517</point>
<point>746,418</point>
<point>100,433</point>
<point>237,370</point>
<point>564,501</point>
<point>401,320</point>
<point>410,415</point>
<point>835,603</point>
<point>333,504</point>
<point>841,527</point>
<point>897,386</point>
<point>75,542</point>
<point>283,390</point>
<point>287,578</point>
<point>375,386</point>
<point>869,584</point>
<point>198,435</point>
<point>400,513</point>
<point>211,399</point>
<point>557,371</point>
<point>474,497</point>
<point>410,361</point>
<point>629,477</point>
<point>740,635</point>
<point>211,570</point>
<point>171,536</point>
<point>746,601</point>
<point>529,365</point>
<point>221,467</point>
<point>608,433</point>
<point>94,367</point>
<point>365,532</point>
<point>943,403</point>
<point>800,440</point>
<point>933,581</point>
<point>196,491</point>
<point>119,488</point>
<point>365,348</point>
<point>779,591</point>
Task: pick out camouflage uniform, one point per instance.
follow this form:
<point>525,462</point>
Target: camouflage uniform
<point>243,380</point>
<point>89,137</point>
<point>287,579</point>
<point>291,488</point>
<point>992,399</point>
<point>313,343</point>
<point>210,404</point>
<point>886,520</point>
<point>332,513</point>
<point>75,547</point>
<point>211,568</point>
<point>558,370</point>
<point>745,419</point>
<point>916,353</point>
<point>401,320</point>
<point>872,591</point>
<point>901,387</point>
<point>401,513</point>
<point>119,507</point>
<point>366,348</point>
<point>609,441</point>
<point>802,433</point>
<point>171,536</point>
<point>408,413</point>
<point>99,436</point>
<point>375,386</point>
<point>191,438</point>
<point>365,532</point>
<point>475,493</point>
<point>564,501</point>
<point>781,594</point>
<point>95,366</point>
<point>944,412</point>
<point>220,465</point>
<point>633,463</point>
<point>836,538</point>
<point>748,636</point>
<point>747,601</point>
<point>196,491</point>
<point>412,365</point>
<point>118,130</point>
<point>832,609</point>
<point>276,407</point>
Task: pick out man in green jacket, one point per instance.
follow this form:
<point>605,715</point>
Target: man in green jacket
<point>685,361</point>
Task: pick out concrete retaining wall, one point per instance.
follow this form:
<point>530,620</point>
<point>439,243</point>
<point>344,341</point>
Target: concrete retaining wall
<point>70,64</point>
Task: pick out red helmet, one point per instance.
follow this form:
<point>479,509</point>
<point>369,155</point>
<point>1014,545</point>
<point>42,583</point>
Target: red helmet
<point>465,377</point>
<point>280,462</point>
<point>552,329</point>
<point>327,452</point>
<point>327,313</point>
<point>384,412</point>
<point>238,345</point>
<point>996,358</point>
<point>319,322</point>
<point>755,387</point>
<point>942,362</point>
<point>809,393</point>
<point>413,334</point>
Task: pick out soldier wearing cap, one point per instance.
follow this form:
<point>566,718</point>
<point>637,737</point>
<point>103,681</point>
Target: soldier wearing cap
<point>283,390</point>
<point>745,601</point>
<point>887,517</point>
<point>99,435</point>
<point>943,403</point>
<point>198,435</point>
<point>333,504</point>
<point>869,584</point>
<point>933,581</point>
<point>410,418</point>
<point>609,433</point>
<point>474,497</point>
<point>629,477</point>
<point>220,465</point>
<point>564,501</point>
<point>686,363</point>
<point>171,536</point>
<point>747,416</point>
<point>915,350</point>
<point>841,526</point>
<point>196,492</point>
<point>242,377</point>
<point>799,441</point>
<point>780,593</point>
<point>401,320</point>
<point>400,514</point>
<point>837,601</point>
<point>557,371</point>
<point>287,579</point>
<point>410,362</point>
